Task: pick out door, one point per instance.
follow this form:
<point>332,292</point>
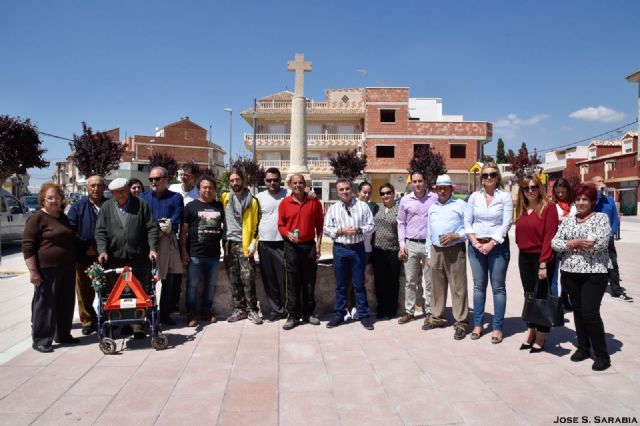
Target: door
<point>16,217</point>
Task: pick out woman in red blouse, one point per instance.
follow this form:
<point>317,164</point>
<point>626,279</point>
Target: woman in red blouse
<point>536,225</point>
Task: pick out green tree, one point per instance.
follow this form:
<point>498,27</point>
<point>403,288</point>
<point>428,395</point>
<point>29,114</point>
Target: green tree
<point>523,148</point>
<point>95,153</point>
<point>348,164</point>
<point>428,162</point>
<point>20,147</point>
<point>501,157</point>
<point>487,159</point>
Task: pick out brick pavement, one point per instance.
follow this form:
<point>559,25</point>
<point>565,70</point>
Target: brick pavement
<point>246,374</point>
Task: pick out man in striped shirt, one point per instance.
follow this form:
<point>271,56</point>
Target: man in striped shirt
<point>347,223</point>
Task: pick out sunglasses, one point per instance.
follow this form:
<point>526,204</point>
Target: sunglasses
<point>271,180</point>
<point>491,175</point>
<point>385,193</point>
<point>532,188</point>
<point>155,179</point>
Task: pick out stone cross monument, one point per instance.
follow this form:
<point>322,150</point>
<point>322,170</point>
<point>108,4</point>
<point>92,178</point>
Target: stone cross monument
<point>298,152</point>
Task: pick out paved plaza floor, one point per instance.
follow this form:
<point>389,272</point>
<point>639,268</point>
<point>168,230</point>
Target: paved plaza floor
<point>236,374</point>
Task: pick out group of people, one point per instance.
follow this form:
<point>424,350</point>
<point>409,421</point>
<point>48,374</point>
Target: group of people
<point>429,232</point>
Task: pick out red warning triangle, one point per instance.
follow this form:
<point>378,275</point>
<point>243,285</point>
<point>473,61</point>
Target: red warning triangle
<point>127,278</point>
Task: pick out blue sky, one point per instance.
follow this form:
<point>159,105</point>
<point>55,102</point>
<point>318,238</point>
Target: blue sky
<point>525,66</point>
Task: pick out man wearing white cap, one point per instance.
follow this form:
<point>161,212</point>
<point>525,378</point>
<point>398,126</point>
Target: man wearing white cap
<point>126,234</point>
<point>447,257</point>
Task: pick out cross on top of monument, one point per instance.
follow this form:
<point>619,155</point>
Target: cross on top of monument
<point>299,66</point>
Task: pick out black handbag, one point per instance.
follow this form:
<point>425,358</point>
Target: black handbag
<point>547,311</point>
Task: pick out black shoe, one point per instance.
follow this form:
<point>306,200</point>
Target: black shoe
<point>126,330</point>
<point>291,322</point>
<point>367,323</point>
<point>87,330</point>
<point>460,333</point>
<point>311,319</point>
<point>601,364</point>
<point>42,348</point>
<point>167,321</point>
<point>535,350</point>
<point>68,340</point>
<point>580,355</point>
<point>275,316</point>
<point>336,321</point>
<point>623,296</point>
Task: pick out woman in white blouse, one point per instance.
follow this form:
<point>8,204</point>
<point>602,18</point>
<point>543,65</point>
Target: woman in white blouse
<point>487,220</point>
<point>582,242</point>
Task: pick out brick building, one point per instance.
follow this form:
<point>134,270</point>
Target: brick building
<point>616,161</point>
<point>184,140</point>
<point>383,122</point>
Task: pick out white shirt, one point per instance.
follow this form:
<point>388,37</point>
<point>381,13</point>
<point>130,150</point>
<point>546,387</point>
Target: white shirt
<point>357,214</point>
<point>187,196</point>
<point>487,221</point>
<point>268,226</point>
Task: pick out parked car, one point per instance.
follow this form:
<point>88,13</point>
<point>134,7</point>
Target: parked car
<point>31,203</point>
<point>13,215</point>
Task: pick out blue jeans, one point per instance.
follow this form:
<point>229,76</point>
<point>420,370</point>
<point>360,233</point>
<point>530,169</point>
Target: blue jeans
<point>349,263</point>
<point>493,266</point>
<point>554,279</point>
<point>207,268</point>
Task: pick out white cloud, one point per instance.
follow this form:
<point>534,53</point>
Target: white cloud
<point>509,126</point>
<point>601,113</point>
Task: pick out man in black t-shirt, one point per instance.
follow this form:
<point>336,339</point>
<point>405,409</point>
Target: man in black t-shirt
<point>200,234</point>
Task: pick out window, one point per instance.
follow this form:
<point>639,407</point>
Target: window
<point>584,169</point>
<point>628,147</point>
<point>385,151</point>
<point>387,115</point>
<point>610,165</point>
<point>592,153</point>
<point>317,188</point>
<point>420,147</point>
<point>458,150</point>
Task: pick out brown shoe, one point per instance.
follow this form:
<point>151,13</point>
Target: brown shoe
<point>213,319</point>
<point>191,321</point>
<point>406,318</point>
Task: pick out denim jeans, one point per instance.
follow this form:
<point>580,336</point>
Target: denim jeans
<point>349,263</point>
<point>484,267</point>
<point>207,268</point>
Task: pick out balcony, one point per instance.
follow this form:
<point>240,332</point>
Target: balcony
<point>314,140</point>
<point>316,167</point>
<point>283,108</point>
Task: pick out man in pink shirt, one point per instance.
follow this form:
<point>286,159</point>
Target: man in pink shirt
<point>413,213</point>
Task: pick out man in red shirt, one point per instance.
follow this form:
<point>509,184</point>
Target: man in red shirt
<point>300,221</point>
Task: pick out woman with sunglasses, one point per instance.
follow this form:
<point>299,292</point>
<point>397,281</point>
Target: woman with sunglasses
<point>536,225</point>
<point>487,220</point>
<point>386,265</point>
<point>582,242</point>
<point>48,242</point>
<point>563,198</point>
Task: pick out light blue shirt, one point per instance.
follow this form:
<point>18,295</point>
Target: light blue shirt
<point>443,219</point>
<point>487,221</point>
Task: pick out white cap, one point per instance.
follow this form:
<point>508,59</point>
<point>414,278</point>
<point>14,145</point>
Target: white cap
<point>444,180</point>
<point>118,183</point>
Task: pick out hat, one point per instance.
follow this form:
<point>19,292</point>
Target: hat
<point>118,183</point>
<point>444,180</point>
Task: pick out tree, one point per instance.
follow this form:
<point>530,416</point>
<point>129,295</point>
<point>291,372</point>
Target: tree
<point>348,164</point>
<point>487,159</point>
<point>253,172</point>
<point>501,158</point>
<point>523,163</point>
<point>163,159</point>
<point>20,147</point>
<point>430,163</point>
<point>510,156</point>
<point>95,153</point>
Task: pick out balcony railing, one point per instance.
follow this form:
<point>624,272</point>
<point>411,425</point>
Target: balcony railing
<point>314,140</point>
<point>279,107</point>
<point>320,167</point>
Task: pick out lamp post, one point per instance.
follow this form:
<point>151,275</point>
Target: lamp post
<point>230,111</point>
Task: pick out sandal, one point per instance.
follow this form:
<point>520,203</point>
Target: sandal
<point>476,336</point>
<point>496,339</point>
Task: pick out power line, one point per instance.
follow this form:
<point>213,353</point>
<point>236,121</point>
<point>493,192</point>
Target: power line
<point>55,136</point>
<point>589,138</point>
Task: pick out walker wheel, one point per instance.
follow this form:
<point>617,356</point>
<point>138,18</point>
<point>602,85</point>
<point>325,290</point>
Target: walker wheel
<point>160,342</point>
<point>108,346</point>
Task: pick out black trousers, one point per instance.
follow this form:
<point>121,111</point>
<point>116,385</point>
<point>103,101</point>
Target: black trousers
<point>614,272</point>
<point>386,275</point>
<point>272,270</point>
<point>529,264</point>
<point>52,305</point>
<point>300,282</point>
<point>586,292</point>
<point>168,294</point>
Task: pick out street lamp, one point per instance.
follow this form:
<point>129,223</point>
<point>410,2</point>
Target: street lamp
<point>230,111</point>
